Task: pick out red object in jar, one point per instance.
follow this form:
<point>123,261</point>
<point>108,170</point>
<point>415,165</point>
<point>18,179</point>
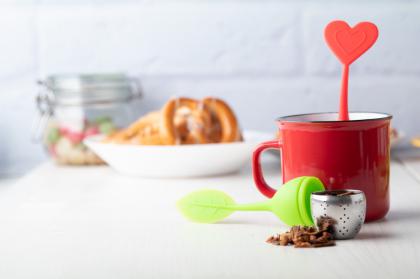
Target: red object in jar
<point>52,151</point>
<point>352,154</point>
<point>74,137</point>
<point>63,130</point>
<point>91,131</point>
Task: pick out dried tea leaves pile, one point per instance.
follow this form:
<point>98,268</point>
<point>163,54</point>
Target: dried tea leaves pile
<point>306,237</point>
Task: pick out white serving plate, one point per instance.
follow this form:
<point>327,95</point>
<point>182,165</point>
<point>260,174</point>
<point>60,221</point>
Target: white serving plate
<point>177,161</point>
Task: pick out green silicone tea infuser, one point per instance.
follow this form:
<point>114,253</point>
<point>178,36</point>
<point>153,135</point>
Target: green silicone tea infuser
<point>291,203</point>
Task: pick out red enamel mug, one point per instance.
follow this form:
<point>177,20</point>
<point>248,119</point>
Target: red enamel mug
<point>351,154</point>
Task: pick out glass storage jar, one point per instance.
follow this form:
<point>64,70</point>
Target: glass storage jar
<point>73,107</point>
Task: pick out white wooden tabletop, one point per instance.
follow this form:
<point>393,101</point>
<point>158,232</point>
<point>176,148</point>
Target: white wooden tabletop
<point>62,222</point>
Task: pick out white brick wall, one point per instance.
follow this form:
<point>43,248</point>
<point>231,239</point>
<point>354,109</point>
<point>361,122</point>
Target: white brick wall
<point>170,39</point>
<point>267,58</point>
<point>393,53</point>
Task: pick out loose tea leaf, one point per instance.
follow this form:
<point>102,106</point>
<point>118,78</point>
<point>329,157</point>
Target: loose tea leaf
<point>305,237</point>
<point>206,206</point>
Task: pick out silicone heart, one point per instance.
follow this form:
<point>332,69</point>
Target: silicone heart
<point>350,43</point>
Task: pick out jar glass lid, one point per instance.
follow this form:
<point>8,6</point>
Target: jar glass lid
<point>91,88</point>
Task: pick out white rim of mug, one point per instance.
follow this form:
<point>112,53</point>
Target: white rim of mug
<point>386,116</point>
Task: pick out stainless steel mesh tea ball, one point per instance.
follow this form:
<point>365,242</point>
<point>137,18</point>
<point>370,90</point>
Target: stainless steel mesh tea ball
<point>346,207</point>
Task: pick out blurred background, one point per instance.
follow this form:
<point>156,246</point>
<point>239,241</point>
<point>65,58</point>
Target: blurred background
<point>266,58</point>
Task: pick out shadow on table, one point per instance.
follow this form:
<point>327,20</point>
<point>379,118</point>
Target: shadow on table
<point>266,222</point>
<point>395,217</point>
<point>406,154</point>
<point>401,215</point>
<point>374,235</point>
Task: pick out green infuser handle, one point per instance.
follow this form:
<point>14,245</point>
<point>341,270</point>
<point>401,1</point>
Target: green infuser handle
<point>291,203</point>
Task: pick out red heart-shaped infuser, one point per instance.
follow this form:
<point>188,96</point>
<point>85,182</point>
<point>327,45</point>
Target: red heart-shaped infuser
<point>348,43</point>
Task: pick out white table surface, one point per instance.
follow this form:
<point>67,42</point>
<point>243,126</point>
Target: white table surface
<point>62,222</point>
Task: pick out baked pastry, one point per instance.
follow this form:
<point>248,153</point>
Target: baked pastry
<point>416,141</point>
<point>183,121</point>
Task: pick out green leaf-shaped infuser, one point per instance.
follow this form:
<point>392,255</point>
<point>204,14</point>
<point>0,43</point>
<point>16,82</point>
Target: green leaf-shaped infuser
<point>291,203</point>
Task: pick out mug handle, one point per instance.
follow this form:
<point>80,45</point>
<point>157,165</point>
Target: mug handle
<point>257,173</point>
